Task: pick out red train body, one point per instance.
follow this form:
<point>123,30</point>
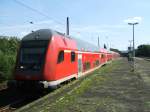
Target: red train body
<point>50,58</point>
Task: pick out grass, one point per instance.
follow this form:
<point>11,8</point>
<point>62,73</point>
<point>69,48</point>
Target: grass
<point>112,88</point>
<point>67,95</point>
<point>69,98</point>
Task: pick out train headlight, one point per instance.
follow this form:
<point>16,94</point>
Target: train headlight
<point>22,67</point>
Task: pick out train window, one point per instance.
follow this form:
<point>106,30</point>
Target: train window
<point>86,65</point>
<point>32,55</point>
<point>60,57</point>
<point>96,63</point>
<point>73,56</point>
<point>103,56</point>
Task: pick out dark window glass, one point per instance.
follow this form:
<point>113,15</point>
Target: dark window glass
<point>96,63</point>
<point>34,43</point>
<point>73,56</point>
<point>32,54</point>
<point>86,65</point>
<point>103,56</point>
<point>60,57</point>
<point>33,51</point>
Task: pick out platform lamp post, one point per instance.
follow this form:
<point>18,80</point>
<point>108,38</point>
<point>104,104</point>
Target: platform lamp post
<point>133,24</point>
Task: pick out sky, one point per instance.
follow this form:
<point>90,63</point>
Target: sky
<point>89,19</point>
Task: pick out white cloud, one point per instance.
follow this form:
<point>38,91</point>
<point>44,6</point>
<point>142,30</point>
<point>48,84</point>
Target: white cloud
<point>133,20</point>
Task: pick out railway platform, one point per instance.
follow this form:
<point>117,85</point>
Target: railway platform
<point>113,88</point>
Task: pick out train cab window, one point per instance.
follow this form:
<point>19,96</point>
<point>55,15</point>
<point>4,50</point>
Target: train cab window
<point>73,56</point>
<point>60,57</point>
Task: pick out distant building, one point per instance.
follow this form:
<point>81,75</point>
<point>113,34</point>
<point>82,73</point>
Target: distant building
<point>124,53</point>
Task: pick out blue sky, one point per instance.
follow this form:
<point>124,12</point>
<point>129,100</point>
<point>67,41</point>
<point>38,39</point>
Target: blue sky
<point>88,19</point>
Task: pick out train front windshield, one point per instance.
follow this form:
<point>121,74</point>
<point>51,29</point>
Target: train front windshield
<point>32,54</point>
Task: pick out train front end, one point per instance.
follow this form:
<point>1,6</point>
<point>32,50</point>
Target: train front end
<point>31,57</point>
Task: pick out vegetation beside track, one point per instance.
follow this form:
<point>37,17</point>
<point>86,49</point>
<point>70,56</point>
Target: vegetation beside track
<point>8,51</point>
<point>143,50</point>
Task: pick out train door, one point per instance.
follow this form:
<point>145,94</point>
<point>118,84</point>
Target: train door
<point>79,65</point>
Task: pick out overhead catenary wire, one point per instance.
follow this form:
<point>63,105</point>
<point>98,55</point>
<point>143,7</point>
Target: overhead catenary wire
<point>37,11</point>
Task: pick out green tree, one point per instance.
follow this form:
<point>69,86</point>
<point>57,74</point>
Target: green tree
<point>143,50</point>
<point>8,52</point>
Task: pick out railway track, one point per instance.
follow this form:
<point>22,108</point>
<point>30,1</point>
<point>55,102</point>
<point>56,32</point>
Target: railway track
<point>19,100</point>
<point>6,109</point>
<point>11,107</point>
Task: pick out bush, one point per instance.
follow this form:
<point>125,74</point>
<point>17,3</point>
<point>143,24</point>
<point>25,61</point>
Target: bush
<point>8,51</point>
<point>3,67</point>
<point>7,64</point>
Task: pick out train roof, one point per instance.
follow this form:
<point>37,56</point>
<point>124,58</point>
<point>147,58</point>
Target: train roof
<point>85,46</point>
<point>46,34</point>
<point>42,34</point>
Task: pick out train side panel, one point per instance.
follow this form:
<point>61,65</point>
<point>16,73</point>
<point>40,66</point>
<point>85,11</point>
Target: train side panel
<point>59,63</point>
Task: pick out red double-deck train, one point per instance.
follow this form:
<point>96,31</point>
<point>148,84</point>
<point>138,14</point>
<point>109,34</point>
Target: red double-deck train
<point>49,58</point>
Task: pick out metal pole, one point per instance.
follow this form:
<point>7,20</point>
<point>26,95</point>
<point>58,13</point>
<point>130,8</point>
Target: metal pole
<point>133,45</point>
<point>67,26</point>
<point>133,51</point>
